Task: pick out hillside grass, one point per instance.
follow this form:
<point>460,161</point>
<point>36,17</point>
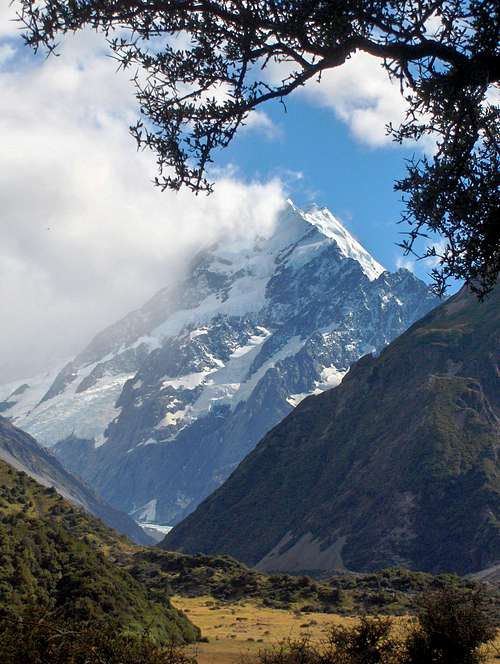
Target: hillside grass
<point>391,592</point>
<point>239,630</point>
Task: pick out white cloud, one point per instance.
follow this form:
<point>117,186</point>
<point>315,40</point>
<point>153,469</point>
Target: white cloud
<point>257,120</point>
<point>8,27</point>
<point>493,95</point>
<point>361,95</point>
<point>84,235</point>
<point>261,121</point>
<point>405,262</point>
<point>6,53</point>
<point>427,263</point>
<point>441,247</point>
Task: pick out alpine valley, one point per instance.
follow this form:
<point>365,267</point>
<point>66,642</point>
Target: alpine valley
<point>159,409</point>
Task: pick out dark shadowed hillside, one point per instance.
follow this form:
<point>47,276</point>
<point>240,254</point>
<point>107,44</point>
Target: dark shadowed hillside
<point>399,465</point>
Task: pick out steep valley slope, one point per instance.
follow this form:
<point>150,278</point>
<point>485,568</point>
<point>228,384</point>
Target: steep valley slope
<point>398,465</point>
<point>23,453</point>
<point>56,558</point>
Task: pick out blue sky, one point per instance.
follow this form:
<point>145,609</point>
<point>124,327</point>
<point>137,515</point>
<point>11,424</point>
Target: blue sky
<point>322,162</point>
<point>85,237</point>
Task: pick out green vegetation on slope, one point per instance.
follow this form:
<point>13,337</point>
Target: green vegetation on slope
<point>390,591</point>
<point>22,451</point>
<point>36,637</point>
<point>59,558</point>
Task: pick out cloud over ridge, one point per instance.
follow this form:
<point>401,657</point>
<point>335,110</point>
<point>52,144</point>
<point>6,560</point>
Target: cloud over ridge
<point>84,235</point>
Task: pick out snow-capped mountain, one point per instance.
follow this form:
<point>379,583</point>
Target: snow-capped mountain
<point>160,407</point>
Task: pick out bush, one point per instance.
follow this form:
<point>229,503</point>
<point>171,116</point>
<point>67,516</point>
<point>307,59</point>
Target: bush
<point>452,626</point>
<point>37,637</point>
<point>292,652</point>
<point>368,642</point>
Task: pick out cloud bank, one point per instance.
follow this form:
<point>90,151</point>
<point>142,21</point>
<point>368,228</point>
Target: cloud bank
<point>84,235</point>
<point>361,95</point>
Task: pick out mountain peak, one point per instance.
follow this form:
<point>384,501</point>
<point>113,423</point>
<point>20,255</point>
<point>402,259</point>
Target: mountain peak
<point>296,238</point>
<point>329,226</point>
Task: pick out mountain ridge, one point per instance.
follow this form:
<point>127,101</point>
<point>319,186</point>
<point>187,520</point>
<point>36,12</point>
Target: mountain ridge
<point>23,453</point>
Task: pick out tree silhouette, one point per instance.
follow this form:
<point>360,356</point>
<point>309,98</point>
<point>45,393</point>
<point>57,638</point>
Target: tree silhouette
<point>193,97</point>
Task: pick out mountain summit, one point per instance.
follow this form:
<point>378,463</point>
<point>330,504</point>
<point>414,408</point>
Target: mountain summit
<point>161,406</point>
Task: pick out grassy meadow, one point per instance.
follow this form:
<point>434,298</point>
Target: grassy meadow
<point>237,631</point>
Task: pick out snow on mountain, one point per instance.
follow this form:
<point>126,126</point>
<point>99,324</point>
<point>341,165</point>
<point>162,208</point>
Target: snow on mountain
<point>332,229</point>
<point>161,406</point>
<point>19,398</point>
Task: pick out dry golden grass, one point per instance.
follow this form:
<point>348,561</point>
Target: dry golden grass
<point>494,651</point>
<point>241,629</point>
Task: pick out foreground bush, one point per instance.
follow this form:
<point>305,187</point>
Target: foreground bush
<point>291,652</point>
<point>452,627</point>
<point>41,638</point>
<point>367,642</point>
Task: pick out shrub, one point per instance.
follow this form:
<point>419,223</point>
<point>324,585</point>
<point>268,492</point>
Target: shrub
<point>292,652</point>
<point>38,637</point>
<point>367,642</point>
<point>452,625</point>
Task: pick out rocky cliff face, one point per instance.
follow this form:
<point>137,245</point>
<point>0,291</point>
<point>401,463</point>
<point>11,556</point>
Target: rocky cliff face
<point>160,408</point>
<point>398,465</point>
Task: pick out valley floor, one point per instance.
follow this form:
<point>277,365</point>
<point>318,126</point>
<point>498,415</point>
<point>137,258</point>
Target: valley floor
<point>237,631</point>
